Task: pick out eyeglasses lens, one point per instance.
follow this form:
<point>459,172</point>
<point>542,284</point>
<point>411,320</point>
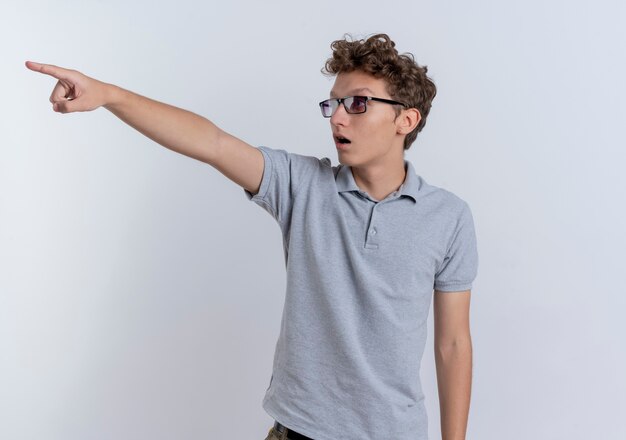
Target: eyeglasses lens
<point>355,104</point>
<point>352,104</point>
<point>328,107</point>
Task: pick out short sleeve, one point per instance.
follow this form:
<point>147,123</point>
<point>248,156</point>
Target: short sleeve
<point>283,173</point>
<point>460,265</point>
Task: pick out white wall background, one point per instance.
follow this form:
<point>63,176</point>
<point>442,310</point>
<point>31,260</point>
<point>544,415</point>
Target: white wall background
<point>141,293</point>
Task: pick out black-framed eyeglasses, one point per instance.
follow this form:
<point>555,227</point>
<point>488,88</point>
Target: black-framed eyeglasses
<point>352,104</point>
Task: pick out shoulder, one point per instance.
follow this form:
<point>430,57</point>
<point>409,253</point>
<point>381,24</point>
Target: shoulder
<point>287,156</point>
<point>442,199</point>
<point>298,169</point>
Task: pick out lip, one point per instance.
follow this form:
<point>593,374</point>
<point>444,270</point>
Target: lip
<point>338,144</point>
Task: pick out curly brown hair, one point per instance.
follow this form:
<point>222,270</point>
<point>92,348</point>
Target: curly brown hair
<point>406,80</point>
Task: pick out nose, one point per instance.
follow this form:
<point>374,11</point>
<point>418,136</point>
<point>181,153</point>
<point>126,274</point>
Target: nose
<point>340,117</point>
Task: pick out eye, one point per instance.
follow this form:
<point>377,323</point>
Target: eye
<point>327,107</point>
<point>358,104</point>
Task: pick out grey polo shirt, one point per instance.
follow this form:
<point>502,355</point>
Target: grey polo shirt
<point>360,278</point>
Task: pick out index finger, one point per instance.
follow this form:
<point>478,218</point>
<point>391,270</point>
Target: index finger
<point>48,69</point>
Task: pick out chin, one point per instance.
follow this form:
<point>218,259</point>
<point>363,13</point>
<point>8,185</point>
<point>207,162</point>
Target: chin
<point>343,159</point>
<point>353,160</point>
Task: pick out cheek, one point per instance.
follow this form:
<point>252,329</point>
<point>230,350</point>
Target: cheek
<point>375,132</point>
<point>383,130</point>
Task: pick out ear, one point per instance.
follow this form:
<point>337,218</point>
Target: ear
<point>408,120</point>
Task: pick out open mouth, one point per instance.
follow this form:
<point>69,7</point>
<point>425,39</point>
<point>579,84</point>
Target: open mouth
<point>342,140</point>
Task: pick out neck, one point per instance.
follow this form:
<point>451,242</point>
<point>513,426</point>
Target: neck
<point>380,179</point>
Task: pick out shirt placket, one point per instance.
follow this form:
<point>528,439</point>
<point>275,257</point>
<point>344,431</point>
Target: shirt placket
<point>372,234</point>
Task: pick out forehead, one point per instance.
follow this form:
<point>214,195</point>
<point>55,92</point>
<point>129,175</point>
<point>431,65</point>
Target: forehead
<point>358,83</point>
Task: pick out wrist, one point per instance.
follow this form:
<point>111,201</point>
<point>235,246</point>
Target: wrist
<point>112,96</point>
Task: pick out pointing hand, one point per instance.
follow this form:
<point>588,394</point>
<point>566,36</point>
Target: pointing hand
<point>74,92</point>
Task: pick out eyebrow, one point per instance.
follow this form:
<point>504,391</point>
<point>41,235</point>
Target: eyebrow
<point>353,92</point>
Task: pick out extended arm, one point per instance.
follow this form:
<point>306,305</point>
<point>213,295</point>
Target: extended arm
<point>453,360</point>
<point>172,127</point>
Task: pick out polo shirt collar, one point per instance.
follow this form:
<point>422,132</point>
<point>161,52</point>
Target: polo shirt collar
<point>410,187</point>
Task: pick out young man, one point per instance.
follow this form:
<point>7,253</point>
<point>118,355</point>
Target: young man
<point>366,243</point>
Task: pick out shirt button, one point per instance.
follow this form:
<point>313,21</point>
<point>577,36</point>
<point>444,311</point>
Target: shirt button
<point>373,231</point>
